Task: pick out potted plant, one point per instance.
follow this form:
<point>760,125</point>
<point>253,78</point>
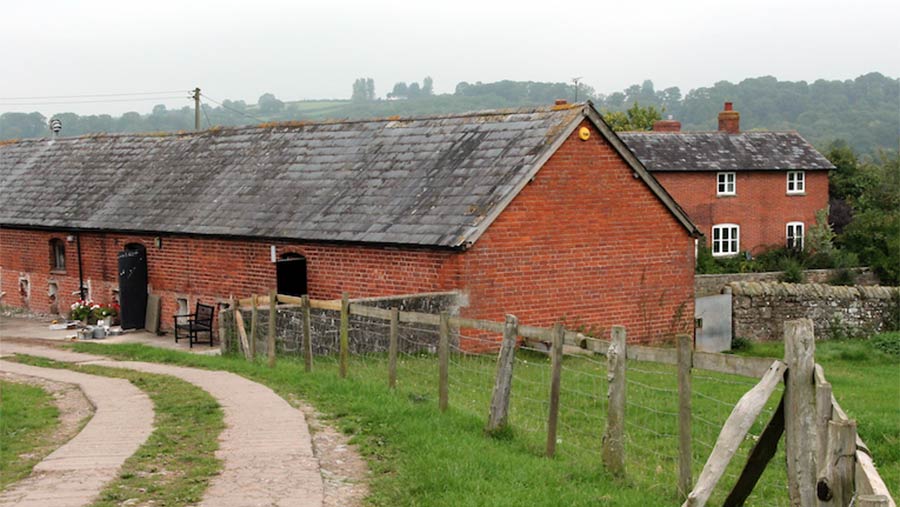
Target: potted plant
<point>82,310</point>
<point>105,314</point>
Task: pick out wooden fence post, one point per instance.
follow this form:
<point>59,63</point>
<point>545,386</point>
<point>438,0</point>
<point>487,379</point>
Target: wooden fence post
<point>685,363</point>
<point>841,456</point>
<point>223,343</point>
<point>614,439</point>
<point>345,334</point>
<point>393,345</point>
<point>824,413</point>
<point>872,501</point>
<point>307,334</point>
<point>499,410</point>
<point>254,322</point>
<point>800,411</point>
<point>444,362</point>
<point>270,337</point>
<point>558,334</point>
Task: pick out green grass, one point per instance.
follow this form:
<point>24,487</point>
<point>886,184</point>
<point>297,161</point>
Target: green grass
<point>422,457</point>
<point>174,466</point>
<point>28,418</point>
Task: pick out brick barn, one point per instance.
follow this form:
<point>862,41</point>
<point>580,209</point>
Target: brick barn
<point>543,213</point>
<point>746,191</point>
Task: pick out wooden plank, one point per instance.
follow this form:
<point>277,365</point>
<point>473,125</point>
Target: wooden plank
<point>498,414</point>
<point>800,411</point>
<point>754,367</point>
<point>289,300</point>
<point>345,335</point>
<point>223,344</point>
<point>733,433</point>
<point>369,311</point>
<point>393,346</point>
<point>254,322</point>
<point>482,325</point>
<point>874,501</point>
<point>868,481</point>
<point>420,318</point>
<point>613,451</point>
<point>241,332</point>
<point>762,453</point>
<point>824,410</point>
<point>444,362</point>
<point>307,334</point>
<point>685,363</point>
<point>334,305</point>
<point>556,355</point>
<point>270,336</point>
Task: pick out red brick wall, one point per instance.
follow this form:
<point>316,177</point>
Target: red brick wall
<point>761,207</point>
<point>211,269</point>
<point>587,242</point>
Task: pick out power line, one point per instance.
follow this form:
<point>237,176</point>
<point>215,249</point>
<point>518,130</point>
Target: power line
<point>67,102</point>
<point>91,95</point>
<point>231,108</point>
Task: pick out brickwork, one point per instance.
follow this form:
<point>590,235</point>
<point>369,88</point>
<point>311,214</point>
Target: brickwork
<point>761,205</point>
<point>585,241</point>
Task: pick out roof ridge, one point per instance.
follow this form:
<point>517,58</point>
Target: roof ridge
<point>304,123</point>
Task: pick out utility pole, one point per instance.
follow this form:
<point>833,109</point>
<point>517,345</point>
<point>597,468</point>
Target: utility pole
<point>575,80</point>
<point>196,108</point>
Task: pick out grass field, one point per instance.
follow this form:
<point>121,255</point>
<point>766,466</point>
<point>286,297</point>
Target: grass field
<point>174,466</point>
<point>27,419</point>
<point>422,457</point>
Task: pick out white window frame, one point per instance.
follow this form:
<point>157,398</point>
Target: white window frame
<point>788,236</point>
<point>726,247</point>
<point>796,182</point>
<point>722,181</point>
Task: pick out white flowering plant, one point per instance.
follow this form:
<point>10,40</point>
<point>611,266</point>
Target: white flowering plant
<point>81,310</point>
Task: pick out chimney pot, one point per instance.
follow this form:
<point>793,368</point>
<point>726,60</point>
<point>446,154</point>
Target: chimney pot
<point>729,120</point>
<point>561,102</point>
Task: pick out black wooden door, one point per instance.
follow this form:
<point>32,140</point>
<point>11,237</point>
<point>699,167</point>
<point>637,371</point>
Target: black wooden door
<point>133,286</point>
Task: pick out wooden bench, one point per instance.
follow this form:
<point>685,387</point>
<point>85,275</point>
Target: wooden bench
<point>201,321</point>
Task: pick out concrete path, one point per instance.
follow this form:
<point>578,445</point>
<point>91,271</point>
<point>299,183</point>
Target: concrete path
<point>266,446</point>
<point>75,473</point>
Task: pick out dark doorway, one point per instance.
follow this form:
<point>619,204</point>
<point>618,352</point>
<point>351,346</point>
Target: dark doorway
<point>133,286</point>
<point>291,274</point>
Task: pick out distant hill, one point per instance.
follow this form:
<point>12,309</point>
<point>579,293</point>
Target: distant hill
<point>862,111</point>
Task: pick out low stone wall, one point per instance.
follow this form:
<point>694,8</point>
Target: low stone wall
<point>759,309</point>
<point>710,285</point>
<point>366,335</point>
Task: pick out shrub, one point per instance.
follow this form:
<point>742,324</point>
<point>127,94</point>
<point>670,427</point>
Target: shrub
<point>740,343</point>
<point>889,343</point>
<point>793,271</point>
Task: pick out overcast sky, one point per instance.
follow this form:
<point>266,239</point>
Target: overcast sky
<point>306,49</point>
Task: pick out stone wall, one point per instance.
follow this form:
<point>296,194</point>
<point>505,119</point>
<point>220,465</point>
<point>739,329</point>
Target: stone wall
<point>760,308</point>
<point>367,335</point>
<point>710,285</point>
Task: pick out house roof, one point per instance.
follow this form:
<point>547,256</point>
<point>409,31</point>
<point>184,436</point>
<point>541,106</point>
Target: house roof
<point>719,151</point>
<point>436,181</point>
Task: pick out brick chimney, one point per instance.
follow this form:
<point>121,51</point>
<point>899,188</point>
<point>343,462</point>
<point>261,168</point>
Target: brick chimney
<point>560,102</point>
<point>667,125</point>
<point>730,120</point>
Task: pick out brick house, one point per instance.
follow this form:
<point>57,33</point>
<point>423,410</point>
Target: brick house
<point>542,213</point>
<point>745,191</point>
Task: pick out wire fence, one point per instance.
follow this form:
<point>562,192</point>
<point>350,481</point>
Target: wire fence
<point>652,396</point>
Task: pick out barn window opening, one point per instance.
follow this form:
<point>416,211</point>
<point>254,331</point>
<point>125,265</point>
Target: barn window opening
<point>290,274</point>
<point>57,255</point>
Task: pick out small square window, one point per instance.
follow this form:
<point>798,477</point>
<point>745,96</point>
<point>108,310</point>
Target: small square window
<point>796,182</point>
<point>725,184</point>
<point>794,235</point>
<point>726,239</point>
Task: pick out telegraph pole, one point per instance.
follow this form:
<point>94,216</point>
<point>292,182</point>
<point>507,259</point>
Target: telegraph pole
<point>575,81</point>
<point>196,108</point>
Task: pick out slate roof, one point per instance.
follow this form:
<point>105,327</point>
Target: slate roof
<point>436,181</point>
<point>719,151</point>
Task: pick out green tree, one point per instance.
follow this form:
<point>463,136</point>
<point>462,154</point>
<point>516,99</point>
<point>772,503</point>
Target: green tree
<point>635,118</point>
<point>268,104</point>
<point>428,86</point>
<point>399,91</point>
